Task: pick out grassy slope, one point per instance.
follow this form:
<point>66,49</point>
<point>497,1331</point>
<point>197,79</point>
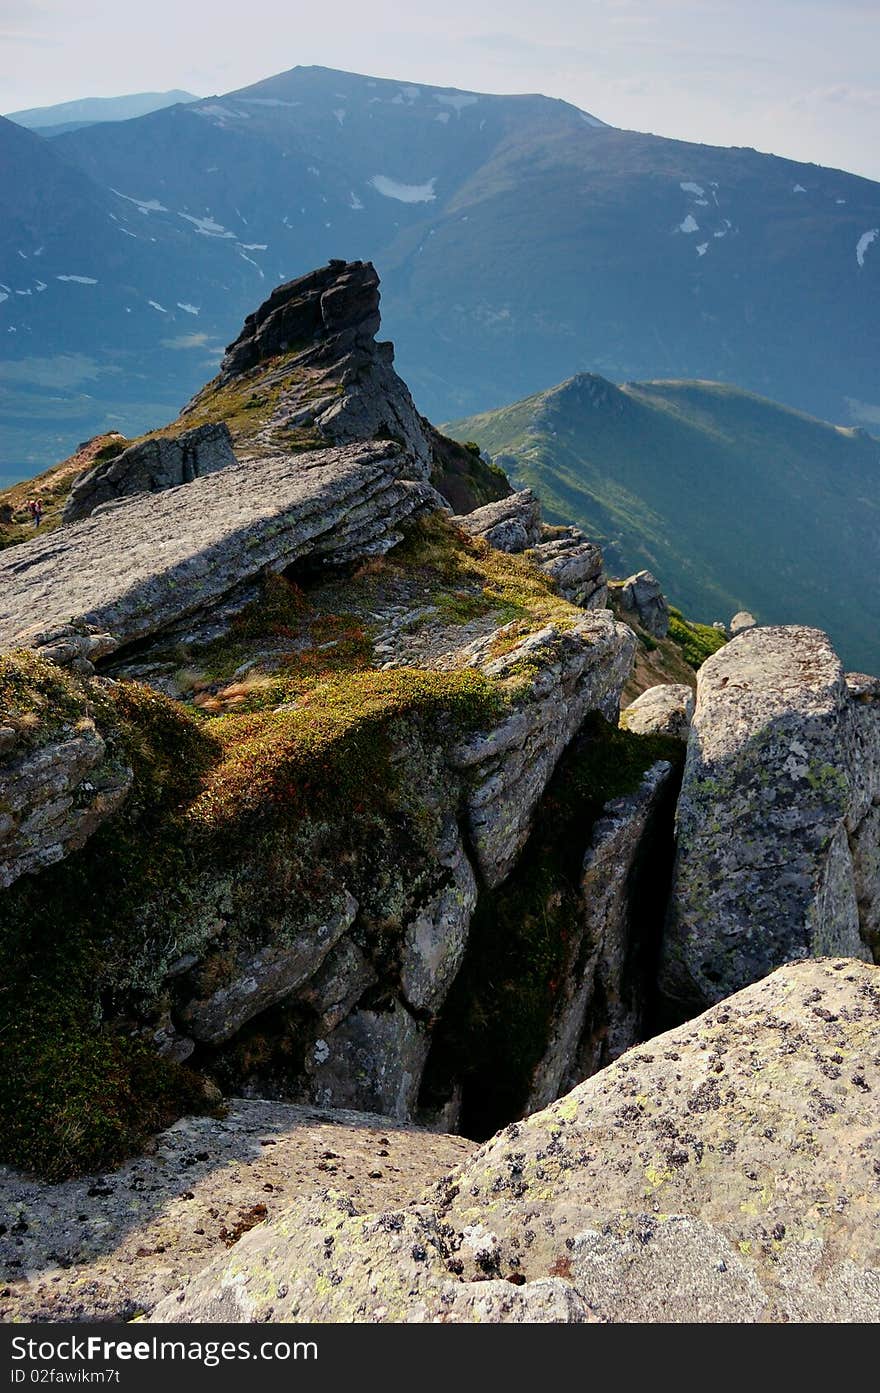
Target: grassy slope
<point>735,502</point>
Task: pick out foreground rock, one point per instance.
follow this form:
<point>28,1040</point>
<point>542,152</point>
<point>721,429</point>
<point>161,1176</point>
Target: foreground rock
<point>725,1171</point>
<point>163,462</point>
<point>775,822</point>
<point>160,1217</point>
<point>662,710</point>
<point>156,559</point>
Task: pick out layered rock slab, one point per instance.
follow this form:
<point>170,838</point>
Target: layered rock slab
<point>780,777</point>
<point>666,709</point>
<point>155,559</point>
<point>724,1171</point>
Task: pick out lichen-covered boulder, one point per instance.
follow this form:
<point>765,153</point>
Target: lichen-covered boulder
<point>741,621</point>
<point>778,784</point>
<point>663,710</point>
<point>575,564</point>
<point>724,1171</point>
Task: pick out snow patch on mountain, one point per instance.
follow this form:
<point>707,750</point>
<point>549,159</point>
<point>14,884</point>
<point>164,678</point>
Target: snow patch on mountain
<point>207,226</point>
<point>688,187</point>
<point>864,243</point>
<point>690,224</point>
<point>403,193</point>
<point>145,205</point>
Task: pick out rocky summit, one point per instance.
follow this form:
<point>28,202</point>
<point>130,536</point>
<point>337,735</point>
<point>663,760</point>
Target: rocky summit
<point>355,824</point>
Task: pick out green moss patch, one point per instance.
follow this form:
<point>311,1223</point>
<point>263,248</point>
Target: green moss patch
<point>697,641</point>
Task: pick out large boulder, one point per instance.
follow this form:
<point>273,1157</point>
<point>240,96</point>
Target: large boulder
<point>663,710</point>
<point>775,812</point>
<point>575,564</point>
<point>724,1171</point>
<point>161,462</point>
<point>511,524</point>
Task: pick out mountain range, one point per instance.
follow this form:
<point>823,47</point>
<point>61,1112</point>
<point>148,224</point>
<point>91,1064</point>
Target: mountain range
<point>519,239</point>
<point>735,501</point>
<point>88,111</point>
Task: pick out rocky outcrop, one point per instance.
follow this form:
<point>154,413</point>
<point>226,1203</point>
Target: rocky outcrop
<point>52,798</point>
<point>575,564</point>
<point>679,1184</point>
<point>600,1011</point>
<point>566,674</point>
<point>314,341</point>
<point>662,710</point>
<point>162,462</point>
<point>777,804</point>
<point>642,597</point>
<point>513,524</point>
<point>156,559</point>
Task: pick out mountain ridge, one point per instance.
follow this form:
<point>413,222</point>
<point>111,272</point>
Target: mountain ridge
<point>516,238</point>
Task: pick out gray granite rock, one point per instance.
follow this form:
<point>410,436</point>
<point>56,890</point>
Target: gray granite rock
<point>576,565</point>
<point>565,675</point>
<point>162,462</point>
<point>155,559</point>
<point>374,1060</point>
<point>599,1013</point>
<point>434,941</point>
<point>723,1171</point>
<point>53,798</point>
<point>781,773</point>
<point>511,524</point>
<point>664,710</point>
<point>260,980</point>
<point>741,621</point>
<point>642,597</point>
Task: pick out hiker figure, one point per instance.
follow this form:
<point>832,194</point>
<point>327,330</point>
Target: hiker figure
<point>37,512</point>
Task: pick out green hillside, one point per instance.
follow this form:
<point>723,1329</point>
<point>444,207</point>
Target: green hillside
<point>733,501</point>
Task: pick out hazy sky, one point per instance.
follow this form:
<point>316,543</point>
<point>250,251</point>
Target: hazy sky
<point>796,77</point>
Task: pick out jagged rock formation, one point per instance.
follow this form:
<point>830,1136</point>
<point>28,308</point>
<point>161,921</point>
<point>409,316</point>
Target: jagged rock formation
<point>157,558</point>
<point>601,1009</point>
<point>162,462</point>
<point>676,1185</point>
<point>513,524</point>
<point>776,813</point>
<point>312,346</point>
<point>662,710</point>
<point>641,596</point>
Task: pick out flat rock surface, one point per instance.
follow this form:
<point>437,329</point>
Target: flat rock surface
<point>109,1246</point>
<point>728,1170</point>
<point>153,559</point>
